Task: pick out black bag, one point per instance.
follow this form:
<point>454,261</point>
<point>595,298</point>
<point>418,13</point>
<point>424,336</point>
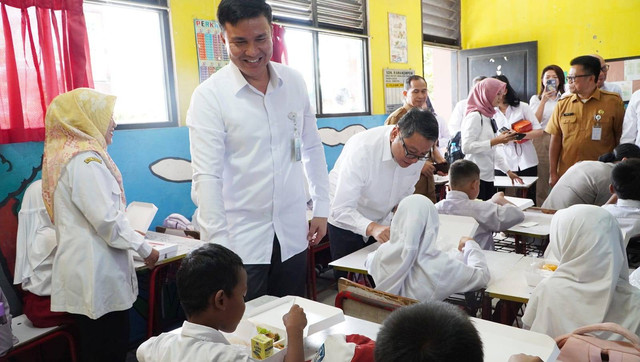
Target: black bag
<point>454,149</point>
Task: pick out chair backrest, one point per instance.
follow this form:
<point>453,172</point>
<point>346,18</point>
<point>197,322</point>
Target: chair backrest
<point>366,303</point>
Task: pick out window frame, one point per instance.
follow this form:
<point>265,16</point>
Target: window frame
<point>171,99</point>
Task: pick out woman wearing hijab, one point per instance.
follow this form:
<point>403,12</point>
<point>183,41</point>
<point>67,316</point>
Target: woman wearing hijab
<point>591,284</point>
<point>410,265</point>
<point>93,275</point>
<point>479,134</point>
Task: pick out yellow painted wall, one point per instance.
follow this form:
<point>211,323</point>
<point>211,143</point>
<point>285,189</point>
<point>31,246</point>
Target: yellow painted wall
<point>564,29</point>
<point>379,43</point>
<point>184,11</point>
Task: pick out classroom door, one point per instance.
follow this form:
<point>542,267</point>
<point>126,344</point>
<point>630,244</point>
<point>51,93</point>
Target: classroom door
<point>518,62</point>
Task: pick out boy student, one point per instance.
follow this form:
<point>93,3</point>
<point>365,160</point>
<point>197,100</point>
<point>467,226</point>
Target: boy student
<point>625,182</point>
<point>433,331</point>
<point>493,215</point>
<point>214,304</point>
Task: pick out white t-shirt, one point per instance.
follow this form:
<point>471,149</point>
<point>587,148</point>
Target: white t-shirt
<point>519,156</point>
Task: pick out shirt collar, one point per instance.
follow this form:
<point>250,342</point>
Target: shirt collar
<point>386,148</point>
<point>628,203</point>
<point>595,95</point>
<point>203,333</point>
<point>457,195</point>
<point>238,82</point>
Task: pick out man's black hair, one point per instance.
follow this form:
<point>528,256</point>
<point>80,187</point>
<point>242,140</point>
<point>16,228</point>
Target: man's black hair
<point>590,64</point>
<point>421,121</point>
<point>232,11</point>
<point>203,273</point>
<point>625,178</point>
<point>428,332</point>
<point>407,82</point>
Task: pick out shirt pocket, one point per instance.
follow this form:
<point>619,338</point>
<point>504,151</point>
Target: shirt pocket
<point>569,124</point>
<point>116,196</point>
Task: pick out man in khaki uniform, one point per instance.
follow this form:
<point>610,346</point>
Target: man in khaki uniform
<point>586,124</point>
<point>416,95</point>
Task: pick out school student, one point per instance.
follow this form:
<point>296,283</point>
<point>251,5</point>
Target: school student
<point>587,182</point>
<point>430,332</point>
<point>410,265</point>
<point>591,284</point>
<point>625,183</point>
<point>494,215</point>
<point>214,304</point>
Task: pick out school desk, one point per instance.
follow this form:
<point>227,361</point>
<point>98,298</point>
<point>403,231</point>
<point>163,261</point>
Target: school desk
<point>185,246</point>
<point>540,230</point>
<point>505,182</point>
<point>499,341</point>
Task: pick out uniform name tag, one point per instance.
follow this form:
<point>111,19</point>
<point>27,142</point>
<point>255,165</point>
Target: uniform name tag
<point>596,133</point>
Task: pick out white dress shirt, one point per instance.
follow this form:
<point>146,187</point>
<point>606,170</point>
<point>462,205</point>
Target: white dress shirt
<point>410,265</point>
<point>35,243</point>
<point>549,105</point>
<point>631,123</point>
<point>247,185</point>
<point>457,115</point>
<point>367,183</point>
<point>443,134</point>
<point>518,156</point>
<point>627,212</point>
<point>586,182</point>
<point>612,87</point>
<point>491,217</point>
<point>93,271</point>
<point>476,133</point>
<point>195,342</point>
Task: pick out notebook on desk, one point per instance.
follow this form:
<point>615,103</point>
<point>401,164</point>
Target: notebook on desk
<point>452,228</point>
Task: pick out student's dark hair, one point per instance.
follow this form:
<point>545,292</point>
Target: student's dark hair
<point>625,178</point>
<point>421,121</point>
<point>463,171</point>
<point>624,150</point>
<point>559,73</point>
<point>590,64</point>
<point>426,332</point>
<point>511,97</point>
<point>478,79</point>
<point>203,273</point>
<point>232,11</point>
<point>407,82</point>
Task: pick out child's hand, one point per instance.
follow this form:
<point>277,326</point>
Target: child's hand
<point>463,242</point>
<point>498,198</point>
<point>295,320</point>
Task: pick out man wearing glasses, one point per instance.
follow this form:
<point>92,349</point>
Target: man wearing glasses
<point>586,124</point>
<point>376,169</point>
<point>416,96</point>
<point>606,86</point>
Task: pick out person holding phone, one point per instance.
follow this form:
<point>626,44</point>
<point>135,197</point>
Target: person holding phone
<point>552,85</point>
<point>520,156</point>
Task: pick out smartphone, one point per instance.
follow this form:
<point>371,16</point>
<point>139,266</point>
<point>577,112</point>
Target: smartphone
<point>504,129</point>
<point>551,85</point>
<point>520,136</point>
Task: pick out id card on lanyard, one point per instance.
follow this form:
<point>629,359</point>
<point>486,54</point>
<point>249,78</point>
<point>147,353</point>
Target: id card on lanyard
<point>596,131</point>
<point>296,142</point>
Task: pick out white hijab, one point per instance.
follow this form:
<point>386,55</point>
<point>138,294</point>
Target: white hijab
<point>591,284</point>
<point>409,263</point>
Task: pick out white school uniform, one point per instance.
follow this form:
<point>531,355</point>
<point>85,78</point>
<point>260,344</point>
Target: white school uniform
<point>627,212</point>
<point>410,265</point>
<point>519,156</point>
<point>93,271</point>
<point>476,137</point>
<point>491,217</point>
<point>35,243</point>
<point>195,342</point>
<point>591,284</point>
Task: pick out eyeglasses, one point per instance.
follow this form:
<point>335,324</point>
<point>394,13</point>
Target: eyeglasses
<point>572,78</point>
<point>410,155</point>
<point>605,68</point>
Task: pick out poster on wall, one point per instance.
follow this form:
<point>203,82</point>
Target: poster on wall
<point>393,87</point>
<point>398,38</point>
<point>212,54</point>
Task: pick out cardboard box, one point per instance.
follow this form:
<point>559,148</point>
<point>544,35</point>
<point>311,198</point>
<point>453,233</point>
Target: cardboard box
<point>140,215</point>
<point>166,250</point>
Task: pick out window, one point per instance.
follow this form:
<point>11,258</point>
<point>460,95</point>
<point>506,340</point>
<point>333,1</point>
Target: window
<point>131,59</point>
<point>441,22</point>
<point>317,31</point>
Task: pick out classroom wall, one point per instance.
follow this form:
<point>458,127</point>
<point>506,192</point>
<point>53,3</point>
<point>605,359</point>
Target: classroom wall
<point>563,29</point>
<point>183,12</point>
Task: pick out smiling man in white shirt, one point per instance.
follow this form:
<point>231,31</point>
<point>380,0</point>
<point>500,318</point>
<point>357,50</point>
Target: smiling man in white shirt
<point>253,137</point>
<point>376,169</point>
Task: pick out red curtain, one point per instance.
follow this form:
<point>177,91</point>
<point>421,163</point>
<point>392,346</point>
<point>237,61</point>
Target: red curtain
<point>44,51</point>
<point>279,47</point>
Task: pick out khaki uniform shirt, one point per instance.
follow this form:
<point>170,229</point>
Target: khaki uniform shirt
<point>574,121</point>
<point>397,114</point>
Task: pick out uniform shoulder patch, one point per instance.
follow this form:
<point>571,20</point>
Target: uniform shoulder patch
<point>90,159</point>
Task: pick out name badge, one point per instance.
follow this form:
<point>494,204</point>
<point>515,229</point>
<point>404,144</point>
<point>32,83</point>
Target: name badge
<point>596,133</point>
<point>296,153</point>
